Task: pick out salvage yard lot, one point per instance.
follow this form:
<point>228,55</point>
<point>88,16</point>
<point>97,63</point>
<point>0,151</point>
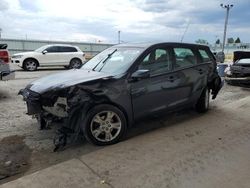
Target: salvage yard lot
<point>186,142</point>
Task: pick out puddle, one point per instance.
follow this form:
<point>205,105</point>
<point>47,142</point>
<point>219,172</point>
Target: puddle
<point>14,156</point>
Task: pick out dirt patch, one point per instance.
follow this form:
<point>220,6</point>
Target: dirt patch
<point>3,95</point>
<point>14,156</point>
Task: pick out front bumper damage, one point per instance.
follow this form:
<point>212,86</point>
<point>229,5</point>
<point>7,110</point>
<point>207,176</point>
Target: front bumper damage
<point>45,115</point>
<point>238,74</point>
<point>69,109</point>
<point>32,100</point>
<point>35,104</point>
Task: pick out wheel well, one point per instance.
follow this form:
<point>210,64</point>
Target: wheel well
<point>202,90</point>
<point>76,58</point>
<point>31,58</point>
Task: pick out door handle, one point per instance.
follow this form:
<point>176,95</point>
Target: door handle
<point>171,78</point>
<point>201,71</point>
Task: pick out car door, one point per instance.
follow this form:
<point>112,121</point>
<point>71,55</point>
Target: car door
<point>67,53</point>
<point>51,56</point>
<point>192,76</point>
<point>204,69</point>
<point>154,94</point>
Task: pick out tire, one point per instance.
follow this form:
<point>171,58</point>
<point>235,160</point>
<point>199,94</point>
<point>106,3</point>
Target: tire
<point>202,104</point>
<point>104,125</point>
<point>30,65</point>
<point>75,63</point>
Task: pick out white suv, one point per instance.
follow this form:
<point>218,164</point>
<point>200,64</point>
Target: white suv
<point>50,55</point>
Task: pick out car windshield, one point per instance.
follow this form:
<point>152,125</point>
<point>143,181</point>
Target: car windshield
<point>244,61</point>
<point>113,60</point>
<point>41,48</point>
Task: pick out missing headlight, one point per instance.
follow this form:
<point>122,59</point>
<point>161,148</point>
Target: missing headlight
<point>59,109</point>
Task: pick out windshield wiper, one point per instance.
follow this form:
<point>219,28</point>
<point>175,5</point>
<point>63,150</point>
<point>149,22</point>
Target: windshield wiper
<point>104,60</point>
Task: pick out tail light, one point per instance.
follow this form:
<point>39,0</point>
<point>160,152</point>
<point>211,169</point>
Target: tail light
<point>83,55</point>
<point>4,56</point>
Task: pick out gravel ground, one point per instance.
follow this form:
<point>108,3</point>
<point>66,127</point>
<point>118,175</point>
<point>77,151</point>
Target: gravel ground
<point>33,149</point>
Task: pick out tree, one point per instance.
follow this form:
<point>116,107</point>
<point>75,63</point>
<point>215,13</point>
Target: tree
<point>217,41</point>
<point>230,40</point>
<point>237,40</point>
<point>202,41</point>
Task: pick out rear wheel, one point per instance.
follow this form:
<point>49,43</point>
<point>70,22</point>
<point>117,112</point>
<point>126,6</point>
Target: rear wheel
<point>30,65</point>
<point>104,125</point>
<point>75,63</point>
<point>202,104</point>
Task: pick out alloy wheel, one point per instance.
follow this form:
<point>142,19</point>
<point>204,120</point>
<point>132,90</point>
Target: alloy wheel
<point>75,64</point>
<point>31,65</point>
<point>106,126</point>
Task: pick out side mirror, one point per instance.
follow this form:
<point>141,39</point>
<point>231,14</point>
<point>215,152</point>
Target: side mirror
<point>44,52</point>
<point>140,74</point>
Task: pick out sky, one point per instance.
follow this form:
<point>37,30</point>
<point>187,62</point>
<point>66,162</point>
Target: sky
<point>137,20</point>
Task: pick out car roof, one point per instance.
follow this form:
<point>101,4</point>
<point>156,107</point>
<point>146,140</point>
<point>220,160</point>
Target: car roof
<point>67,45</point>
<point>149,44</point>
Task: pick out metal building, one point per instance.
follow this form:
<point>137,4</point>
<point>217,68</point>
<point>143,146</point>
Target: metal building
<point>21,45</point>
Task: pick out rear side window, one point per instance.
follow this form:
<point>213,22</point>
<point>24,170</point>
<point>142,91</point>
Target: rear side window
<point>204,56</point>
<point>67,49</point>
<point>184,57</point>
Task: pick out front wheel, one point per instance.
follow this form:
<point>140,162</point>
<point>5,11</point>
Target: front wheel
<point>202,104</point>
<point>104,125</point>
<point>30,65</point>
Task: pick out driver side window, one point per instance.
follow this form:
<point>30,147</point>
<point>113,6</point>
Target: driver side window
<point>157,61</point>
<point>52,49</point>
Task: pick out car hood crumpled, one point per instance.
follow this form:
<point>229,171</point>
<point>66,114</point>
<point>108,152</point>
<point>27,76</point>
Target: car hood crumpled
<point>65,79</point>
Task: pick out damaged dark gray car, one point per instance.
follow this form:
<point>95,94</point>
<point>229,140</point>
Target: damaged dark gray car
<point>239,72</point>
<point>123,84</point>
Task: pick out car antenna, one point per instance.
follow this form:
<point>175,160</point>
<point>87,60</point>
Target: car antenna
<point>185,31</point>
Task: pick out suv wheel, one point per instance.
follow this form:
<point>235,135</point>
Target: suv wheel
<point>30,65</point>
<point>75,63</point>
<point>202,104</point>
<point>104,125</point>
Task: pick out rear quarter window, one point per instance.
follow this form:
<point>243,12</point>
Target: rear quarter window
<point>205,56</point>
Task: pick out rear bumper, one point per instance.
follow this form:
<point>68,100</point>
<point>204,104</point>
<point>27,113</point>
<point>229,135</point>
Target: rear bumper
<point>215,85</point>
<point>7,75</point>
